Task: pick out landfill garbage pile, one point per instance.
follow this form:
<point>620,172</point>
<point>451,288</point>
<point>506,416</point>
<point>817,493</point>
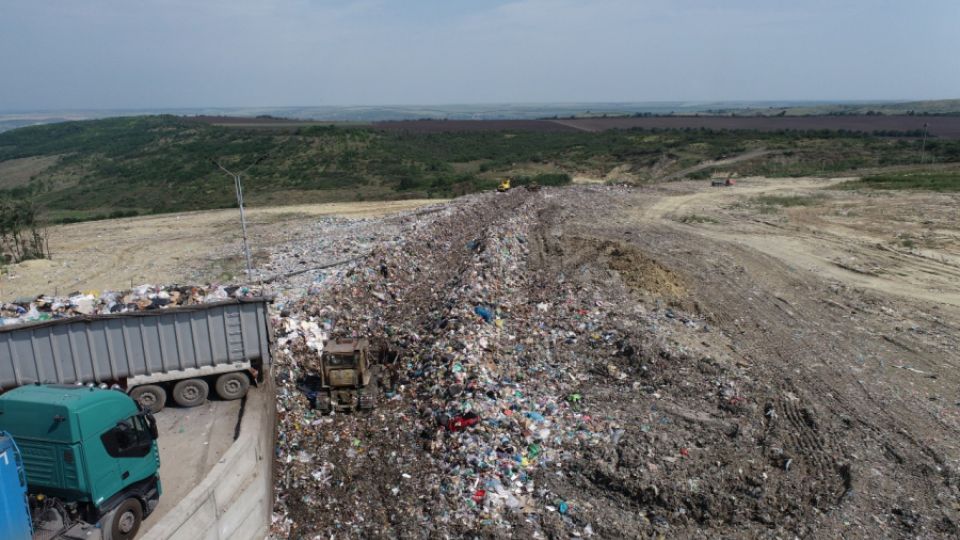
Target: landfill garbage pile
<point>142,298</point>
<point>530,389</point>
<point>307,261</point>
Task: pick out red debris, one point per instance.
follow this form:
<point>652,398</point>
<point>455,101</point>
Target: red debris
<point>459,423</point>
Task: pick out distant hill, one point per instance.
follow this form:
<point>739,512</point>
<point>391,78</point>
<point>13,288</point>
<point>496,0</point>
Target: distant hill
<point>499,111</point>
<point>153,164</point>
<point>937,107</point>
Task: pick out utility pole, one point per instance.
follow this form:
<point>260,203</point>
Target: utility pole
<point>923,145</point>
<point>238,187</point>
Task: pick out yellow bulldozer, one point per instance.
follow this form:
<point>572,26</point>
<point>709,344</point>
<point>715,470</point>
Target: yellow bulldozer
<point>504,185</point>
<point>345,380</point>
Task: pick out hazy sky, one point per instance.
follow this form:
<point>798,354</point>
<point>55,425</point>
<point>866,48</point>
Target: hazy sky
<point>185,53</point>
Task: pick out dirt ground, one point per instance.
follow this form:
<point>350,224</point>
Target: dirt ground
<point>840,318</point>
<point>904,244</point>
<point>194,247</point>
<point>771,360</point>
<point>192,441</point>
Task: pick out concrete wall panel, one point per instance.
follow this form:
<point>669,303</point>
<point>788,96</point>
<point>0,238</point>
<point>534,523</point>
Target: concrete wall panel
<point>235,500</point>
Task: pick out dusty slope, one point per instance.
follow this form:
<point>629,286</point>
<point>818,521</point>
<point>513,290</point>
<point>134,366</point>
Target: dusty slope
<point>193,247</point>
<point>901,243</point>
<point>692,384</point>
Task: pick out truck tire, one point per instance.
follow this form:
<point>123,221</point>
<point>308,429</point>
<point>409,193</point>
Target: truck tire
<point>190,392</point>
<point>232,385</point>
<point>123,522</point>
<point>152,397</point>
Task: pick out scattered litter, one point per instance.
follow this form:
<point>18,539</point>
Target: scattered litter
<point>142,298</point>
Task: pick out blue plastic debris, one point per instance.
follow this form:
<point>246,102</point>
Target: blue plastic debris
<point>484,313</point>
<point>535,416</point>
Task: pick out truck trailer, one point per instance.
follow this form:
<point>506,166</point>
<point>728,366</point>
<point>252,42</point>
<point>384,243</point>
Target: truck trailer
<point>152,355</point>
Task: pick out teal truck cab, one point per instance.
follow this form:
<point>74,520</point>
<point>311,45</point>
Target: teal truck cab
<point>90,457</point>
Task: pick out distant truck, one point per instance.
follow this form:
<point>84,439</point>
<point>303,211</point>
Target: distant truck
<point>177,352</point>
<point>76,462</point>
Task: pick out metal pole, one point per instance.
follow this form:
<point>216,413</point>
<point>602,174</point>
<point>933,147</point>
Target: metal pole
<point>923,145</point>
<point>238,187</point>
<point>243,225</point>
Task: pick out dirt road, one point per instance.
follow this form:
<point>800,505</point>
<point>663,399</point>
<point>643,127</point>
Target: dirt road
<point>752,154</point>
<point>707,363</point>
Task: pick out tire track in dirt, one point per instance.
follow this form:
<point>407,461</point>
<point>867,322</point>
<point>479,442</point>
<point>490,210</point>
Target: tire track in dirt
<point>794,434</point>
<point>885,418</point>
<point>925,279</point>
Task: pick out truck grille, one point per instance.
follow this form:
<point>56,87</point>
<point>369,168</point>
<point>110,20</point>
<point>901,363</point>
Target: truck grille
<point>40,461</point>
<point>343,377</point>
<point>46,468</point>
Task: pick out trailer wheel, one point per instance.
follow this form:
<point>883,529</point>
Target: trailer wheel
<point>123,522</point>
<point>232,385</point>
<point>190,392</point>
<point>152,397</point>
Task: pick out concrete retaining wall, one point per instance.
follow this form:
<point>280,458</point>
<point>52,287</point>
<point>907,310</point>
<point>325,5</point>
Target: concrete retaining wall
<point>235,500</point>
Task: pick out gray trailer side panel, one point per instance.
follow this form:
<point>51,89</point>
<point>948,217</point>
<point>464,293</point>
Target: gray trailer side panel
<point>113,347</point>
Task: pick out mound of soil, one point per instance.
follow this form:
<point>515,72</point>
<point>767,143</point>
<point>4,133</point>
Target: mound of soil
<point>543,385</point>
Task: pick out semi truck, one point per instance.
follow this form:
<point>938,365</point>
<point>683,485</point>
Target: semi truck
<point>76,462</point>
<point>177,353</point>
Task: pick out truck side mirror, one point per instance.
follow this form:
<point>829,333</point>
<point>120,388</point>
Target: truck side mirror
<point>152,425</point>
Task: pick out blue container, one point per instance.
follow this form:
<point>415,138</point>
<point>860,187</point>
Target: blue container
<point>14,510</point>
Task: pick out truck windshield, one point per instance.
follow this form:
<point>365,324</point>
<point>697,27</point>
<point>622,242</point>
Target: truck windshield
<point>129,438</point>
<point>340,360</point>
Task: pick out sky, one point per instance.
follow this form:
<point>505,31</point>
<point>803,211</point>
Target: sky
<point>109,54</point>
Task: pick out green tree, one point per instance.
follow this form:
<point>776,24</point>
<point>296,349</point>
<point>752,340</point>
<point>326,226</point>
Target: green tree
<point>22,235</point>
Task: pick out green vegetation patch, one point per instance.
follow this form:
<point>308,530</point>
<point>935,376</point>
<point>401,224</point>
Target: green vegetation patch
<point>918,180</point>
<point>702,174</point>
<point>155,164</point>
<point>696,218</point>
<point>546,179</point>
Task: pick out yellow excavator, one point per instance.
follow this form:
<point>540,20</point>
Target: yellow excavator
<point>504,185</point>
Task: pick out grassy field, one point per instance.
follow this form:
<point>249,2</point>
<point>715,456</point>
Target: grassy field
<point>156,164</point>
<point>18,172</point>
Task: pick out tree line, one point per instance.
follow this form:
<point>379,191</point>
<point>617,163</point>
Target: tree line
<point>22,235</point>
